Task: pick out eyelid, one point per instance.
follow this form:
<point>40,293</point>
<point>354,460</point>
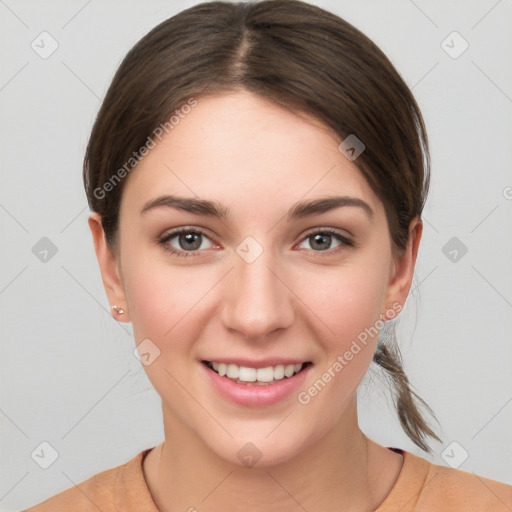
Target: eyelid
<point>184,229</point>
<point>345,240</point>
<point>166,237</point>
<point>332,231</point>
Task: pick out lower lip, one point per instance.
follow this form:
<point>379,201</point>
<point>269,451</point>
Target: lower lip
<point>255,395</point>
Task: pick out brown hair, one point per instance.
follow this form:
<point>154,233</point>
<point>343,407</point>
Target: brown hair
<point>307,59</point>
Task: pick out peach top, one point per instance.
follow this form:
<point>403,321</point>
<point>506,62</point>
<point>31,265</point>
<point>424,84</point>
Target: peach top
<point>421,487</point>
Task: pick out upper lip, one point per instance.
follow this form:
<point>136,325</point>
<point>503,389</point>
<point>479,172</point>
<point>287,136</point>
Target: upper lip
<point>260,363</point>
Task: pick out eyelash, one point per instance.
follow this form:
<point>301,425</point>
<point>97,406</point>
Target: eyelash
<point>184,254</point>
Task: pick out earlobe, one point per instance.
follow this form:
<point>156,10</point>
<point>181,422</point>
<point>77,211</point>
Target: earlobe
<point>109,267</point>
<point>403,268</point>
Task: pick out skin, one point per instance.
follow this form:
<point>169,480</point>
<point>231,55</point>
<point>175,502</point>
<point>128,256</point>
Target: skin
<point>295,300</point>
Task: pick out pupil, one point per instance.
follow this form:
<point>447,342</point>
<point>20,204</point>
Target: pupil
<point>190,238</point>
<point>321,237</point>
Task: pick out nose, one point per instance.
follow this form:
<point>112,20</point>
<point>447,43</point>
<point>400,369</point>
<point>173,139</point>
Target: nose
<point>256,298</point>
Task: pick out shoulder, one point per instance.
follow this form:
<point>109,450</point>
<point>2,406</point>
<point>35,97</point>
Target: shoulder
<point>100,492</point>
<point>424,487</point>
<point>95,493</point>
<point>453,487</point>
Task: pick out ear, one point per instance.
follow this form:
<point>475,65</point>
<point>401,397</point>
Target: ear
<point>403,270</point>
<point>109,267</point>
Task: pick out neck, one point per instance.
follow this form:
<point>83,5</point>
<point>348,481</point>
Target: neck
<point>344,470</point>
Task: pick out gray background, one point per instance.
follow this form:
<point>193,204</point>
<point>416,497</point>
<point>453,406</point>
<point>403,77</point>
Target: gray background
<point>68,374</point>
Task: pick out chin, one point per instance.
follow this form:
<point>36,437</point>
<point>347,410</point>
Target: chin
<point>255,449</point>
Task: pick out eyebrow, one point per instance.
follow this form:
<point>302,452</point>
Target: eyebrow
<point>300,210</point>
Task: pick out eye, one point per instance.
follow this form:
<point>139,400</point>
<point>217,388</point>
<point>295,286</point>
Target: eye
<point>188,242</point>
<point>322,239</point>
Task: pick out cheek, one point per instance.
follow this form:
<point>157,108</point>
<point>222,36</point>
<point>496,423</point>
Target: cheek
<point>159,299</point>
<point>348,301</point>
<point>151,300</point>
<point>170,304</point>
<point>154,293</point>
<point>164,302</point>
<point>349,304</point>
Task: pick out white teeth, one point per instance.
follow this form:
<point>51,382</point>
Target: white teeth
<point>279,371</point>
<point>260,375</point>
<point>247,374</point>
<point>288,370</point>
<point>232,371</point>
<point>265,374</point>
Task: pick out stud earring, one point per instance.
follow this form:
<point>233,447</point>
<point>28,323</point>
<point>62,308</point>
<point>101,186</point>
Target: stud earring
<point>118,310</point>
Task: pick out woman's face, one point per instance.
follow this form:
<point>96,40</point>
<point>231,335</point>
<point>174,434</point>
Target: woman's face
<point>266,284</point>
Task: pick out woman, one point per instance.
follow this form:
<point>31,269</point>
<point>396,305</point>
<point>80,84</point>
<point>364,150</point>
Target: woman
<point>257,174</point>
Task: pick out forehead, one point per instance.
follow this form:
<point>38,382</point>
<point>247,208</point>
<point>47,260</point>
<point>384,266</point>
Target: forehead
<point>246,151</point>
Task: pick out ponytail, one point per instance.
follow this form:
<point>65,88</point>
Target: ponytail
<point>388,357</point>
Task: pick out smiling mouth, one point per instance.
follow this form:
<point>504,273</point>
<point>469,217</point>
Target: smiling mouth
<point>256,376</point>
